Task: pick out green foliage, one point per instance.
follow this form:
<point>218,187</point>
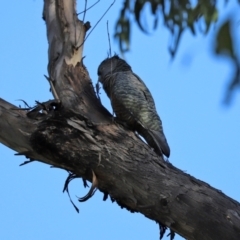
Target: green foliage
<point>178,16</point>
<point>122,30</point>
<point>224,46</point>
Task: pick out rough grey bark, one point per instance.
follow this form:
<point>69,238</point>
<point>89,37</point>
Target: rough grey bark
<point>80,136</point>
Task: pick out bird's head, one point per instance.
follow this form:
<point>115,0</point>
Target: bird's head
<point>112,65</point>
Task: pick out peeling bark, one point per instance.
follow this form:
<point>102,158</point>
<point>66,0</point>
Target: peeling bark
<point>81,136</point>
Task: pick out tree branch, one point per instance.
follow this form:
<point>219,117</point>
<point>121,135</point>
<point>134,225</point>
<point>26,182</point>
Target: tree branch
<point>80,136</point>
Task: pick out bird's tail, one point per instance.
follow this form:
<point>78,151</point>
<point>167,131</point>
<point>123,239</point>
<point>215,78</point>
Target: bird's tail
<point>157,141</point>
<point>161,142</point>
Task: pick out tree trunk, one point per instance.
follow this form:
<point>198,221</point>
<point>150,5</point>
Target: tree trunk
<point>78,134</point>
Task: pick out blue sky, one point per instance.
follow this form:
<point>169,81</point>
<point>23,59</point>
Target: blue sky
<point>202,132</point>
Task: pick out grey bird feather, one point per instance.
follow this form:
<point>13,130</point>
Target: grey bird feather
<point>132,102</point>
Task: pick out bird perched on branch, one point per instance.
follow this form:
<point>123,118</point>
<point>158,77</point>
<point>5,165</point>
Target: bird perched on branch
<point>132,102</point>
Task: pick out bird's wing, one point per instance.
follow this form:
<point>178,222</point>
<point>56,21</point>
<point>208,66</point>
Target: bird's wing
<point>131,93</point>
<point>139,105</point>
<point>145,91</point>
<point>148,110</point>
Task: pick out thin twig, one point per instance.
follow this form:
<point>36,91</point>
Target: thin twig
<point>85,10</point>
<point>109,41</point>
<point>54,92</point>
<point>97,23</point>
<point>89,7</point>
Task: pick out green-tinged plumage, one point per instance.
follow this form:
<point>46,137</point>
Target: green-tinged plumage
<point>132,102</point>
